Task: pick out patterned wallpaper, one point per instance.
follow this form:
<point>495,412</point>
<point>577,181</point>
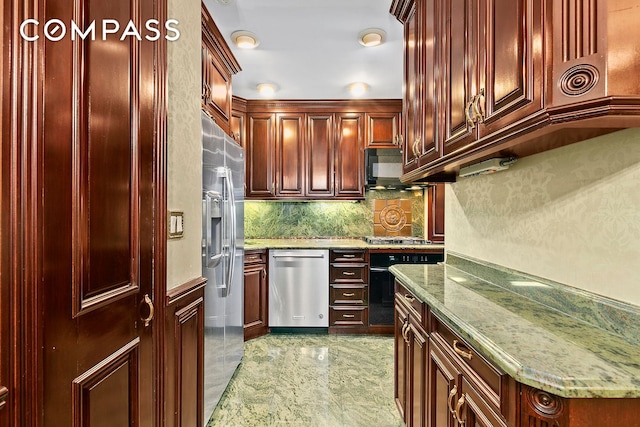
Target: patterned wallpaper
<point>571,215</point>
<point>324,219</point>
<point>184,142</point>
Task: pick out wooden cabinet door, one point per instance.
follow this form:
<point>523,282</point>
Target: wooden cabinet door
<point>401,367</point>
<point>511,78</point>
<point>320,155</point>
<point>349,178</point>
<point>256,308</point>
<point>444,389</point>
<point>382,130</point>
<point>290,155</point>
<point>237,127</point>
<point>260,179</point>
<point>428,149</point>
<point>459,39</point>
<point>435,213</point>
<point>412,106</point>
<point>474,411</point>
<point>418,364</point>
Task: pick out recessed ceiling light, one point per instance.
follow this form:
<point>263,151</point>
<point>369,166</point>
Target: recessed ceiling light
<point>358,88</point>
<point>245,39</point>
<point>371,37</point>
<point>266,89</point>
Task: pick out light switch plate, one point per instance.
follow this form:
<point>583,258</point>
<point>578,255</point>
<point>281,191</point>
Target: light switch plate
<point>175,224</point>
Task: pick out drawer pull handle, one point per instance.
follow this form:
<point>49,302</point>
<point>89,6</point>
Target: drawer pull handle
<point>452,394</point>
<point>349,256</point>
<point>457,413</point>
<point>348,273</point>
<point>405,332</point>
<point>348,316</point>
<point>348,294</point>
<point>409,298</point>
<point>466,354</point>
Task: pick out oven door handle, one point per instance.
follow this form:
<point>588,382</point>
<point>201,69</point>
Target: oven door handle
<point>379,269</point>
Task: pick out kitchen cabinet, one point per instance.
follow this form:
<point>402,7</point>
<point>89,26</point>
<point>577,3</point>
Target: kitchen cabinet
<point>435,213</point>
<point>464,389</point>
<point>238,120</point>
<point>290,156</point>
<point>218,67</point>
<point>383,130</point>
<point>256,294</point>
<point>492,67</point>
<point>260,149</point>
<point>348,290</point>
<point>349,177</point>
<point>411,355</point>
<point>514,78</point>
<point>311,150</point>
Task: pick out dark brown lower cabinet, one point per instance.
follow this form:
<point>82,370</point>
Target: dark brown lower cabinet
<point>256,293</point>
<point>184,354</point>
<point>441,381</point>
<point>412,352</point>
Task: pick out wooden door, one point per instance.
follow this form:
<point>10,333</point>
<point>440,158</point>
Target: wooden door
<point>459,38</point>
<point>349,179</point>
<point>290,155</point>
<point>319,155</point>
<point>87,193</point>
<point>260,179</point>
<point>511,49</point>
<point>444,389</point>
<point>256,293</point>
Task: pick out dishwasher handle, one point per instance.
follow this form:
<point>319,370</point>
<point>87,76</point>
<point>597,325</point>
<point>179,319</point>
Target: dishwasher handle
<point>297,256</point>
<point>379,269</point>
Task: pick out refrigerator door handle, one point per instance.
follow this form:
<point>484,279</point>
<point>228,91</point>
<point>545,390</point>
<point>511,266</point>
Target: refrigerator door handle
<point>213,243</point>
<point>233,235</point>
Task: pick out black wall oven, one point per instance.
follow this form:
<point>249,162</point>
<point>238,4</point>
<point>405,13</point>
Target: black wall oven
<point>381,289</point>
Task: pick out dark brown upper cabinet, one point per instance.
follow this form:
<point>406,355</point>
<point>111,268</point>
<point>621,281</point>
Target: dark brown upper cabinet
<point>311,150</point>
<point>218,66</point>
<point>512,78</point>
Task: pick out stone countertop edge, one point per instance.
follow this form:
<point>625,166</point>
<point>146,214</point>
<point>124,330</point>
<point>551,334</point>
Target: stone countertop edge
<point>512,347</point>
<point>328,243</point>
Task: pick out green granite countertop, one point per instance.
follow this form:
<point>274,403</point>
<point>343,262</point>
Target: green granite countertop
<point>327,244</point>
<point>557,340</point>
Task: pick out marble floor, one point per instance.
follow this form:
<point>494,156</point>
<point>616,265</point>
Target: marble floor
<point>312,380</point>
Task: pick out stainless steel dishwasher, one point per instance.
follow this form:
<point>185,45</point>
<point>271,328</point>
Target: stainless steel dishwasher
<point>299,288</point>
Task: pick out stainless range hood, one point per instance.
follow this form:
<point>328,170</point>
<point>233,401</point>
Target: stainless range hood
<point>383,168</point>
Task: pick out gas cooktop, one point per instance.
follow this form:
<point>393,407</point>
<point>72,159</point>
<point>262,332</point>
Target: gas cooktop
<point>398,240</point>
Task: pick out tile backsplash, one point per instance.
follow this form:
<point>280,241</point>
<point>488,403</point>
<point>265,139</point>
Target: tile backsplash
<point>284,219</point>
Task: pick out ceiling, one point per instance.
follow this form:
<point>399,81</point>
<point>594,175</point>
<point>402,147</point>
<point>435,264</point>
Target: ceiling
<point>309,49</point>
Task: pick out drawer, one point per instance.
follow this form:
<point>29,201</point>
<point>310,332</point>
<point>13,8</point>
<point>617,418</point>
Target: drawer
<point>255,257</point>
<point>349,273</point>
<point>348,316</point>
<point>407,298</point>
<point>352,295</point>
<point>479,371</point>
<point>348,255</point>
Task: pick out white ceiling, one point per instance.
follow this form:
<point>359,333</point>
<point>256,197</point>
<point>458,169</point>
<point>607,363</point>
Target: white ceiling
<point>309,48</point>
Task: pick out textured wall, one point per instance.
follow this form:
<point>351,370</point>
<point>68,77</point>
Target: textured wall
<point>184,142</point>
<point>324,219</point>
<point>570,215</point>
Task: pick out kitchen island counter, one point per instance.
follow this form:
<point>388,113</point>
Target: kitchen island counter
<point>541,333</point>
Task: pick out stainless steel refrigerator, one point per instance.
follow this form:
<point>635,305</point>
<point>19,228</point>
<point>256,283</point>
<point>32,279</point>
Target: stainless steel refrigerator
<point>222,259</point>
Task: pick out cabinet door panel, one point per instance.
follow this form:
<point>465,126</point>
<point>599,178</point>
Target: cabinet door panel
<point>512,79</point>
<point>382,130</point>
<point>459,53</point>
<point>260,146</point>
<point>443,379</point>
<point>350,155</point>
<point>418,382</point>
<point>475,411</point>
<point>320,156</point>
<point>428,148</point>
<point>290,155</point>
<point>412,104</point>
<point>400,349</point>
